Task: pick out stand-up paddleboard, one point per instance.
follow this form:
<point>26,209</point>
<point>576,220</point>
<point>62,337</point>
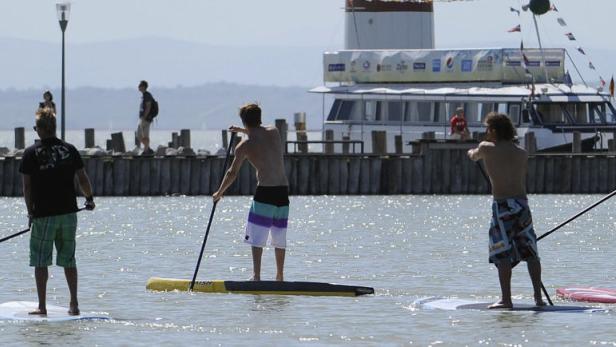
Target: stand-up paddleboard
<point>599,295</point>
<point>258,287</point>
<point>438,303</point>
<point>18,311</point>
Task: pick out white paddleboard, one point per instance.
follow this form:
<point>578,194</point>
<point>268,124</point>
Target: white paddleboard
<point>18,311</point>
<point>438,303</point>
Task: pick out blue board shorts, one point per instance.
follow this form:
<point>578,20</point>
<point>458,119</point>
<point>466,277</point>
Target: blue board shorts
<point>269,214</point>
<point>49,231</point>
<point>512,236</point>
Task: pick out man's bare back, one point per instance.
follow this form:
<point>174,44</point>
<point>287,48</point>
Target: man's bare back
<point>506,164</point>
<point>263,149</point>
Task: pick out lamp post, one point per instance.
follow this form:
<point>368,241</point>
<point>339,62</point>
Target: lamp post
<point>64,11</point>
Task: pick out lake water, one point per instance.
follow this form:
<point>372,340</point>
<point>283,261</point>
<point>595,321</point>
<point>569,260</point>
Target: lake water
<point>406,247</point>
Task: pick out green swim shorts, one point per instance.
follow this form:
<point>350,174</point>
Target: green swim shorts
<point>49,230</point>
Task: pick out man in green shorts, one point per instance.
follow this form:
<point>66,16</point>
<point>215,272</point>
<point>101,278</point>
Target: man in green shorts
<point>49,169</point>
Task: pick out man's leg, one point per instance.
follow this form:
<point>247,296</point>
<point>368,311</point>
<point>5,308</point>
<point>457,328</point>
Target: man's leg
<point>146,143</point>
<point>71,279</point>
<point>41,274</point>
<point>280,253</point>
<point>534,270</point>
<point>504,277</point>
<point>257,252</point>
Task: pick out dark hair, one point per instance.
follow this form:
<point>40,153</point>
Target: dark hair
<point>47,92</point>
<point>144,84</point>
<point>251,115</point>
<point>502,126</point>
<point>46,120</point>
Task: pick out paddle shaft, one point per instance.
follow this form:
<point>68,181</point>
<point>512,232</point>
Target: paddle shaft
<point>24,231</point>
<point>485,175</point>
<point>209,223</point>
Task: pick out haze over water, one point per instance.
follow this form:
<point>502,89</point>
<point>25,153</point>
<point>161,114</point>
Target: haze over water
<point>406,247</point>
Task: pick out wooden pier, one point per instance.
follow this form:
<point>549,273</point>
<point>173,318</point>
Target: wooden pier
<point>439,168</point>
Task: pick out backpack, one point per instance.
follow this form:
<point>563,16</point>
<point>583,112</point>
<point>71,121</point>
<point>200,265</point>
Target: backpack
<point>153,110</point>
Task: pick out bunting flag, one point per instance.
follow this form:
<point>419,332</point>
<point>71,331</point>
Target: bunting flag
<point>602,82</point>
<point>514,10</point>
<point>553,8</point>
<point>567,79</point>
<point>592,66</point>
<point>561,22</point>
<point>612,87</point>
<point>516,29</point>
<point>581,50</point>
<point>570,36</point>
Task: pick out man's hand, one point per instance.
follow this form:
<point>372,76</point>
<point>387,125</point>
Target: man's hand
<point>90,205</point>
<point>235,129</point>
<point>217,196</point>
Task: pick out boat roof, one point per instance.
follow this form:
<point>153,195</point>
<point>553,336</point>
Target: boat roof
<point>486,92</point>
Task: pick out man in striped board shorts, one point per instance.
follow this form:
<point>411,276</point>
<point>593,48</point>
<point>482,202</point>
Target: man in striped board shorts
<point>270,206</point>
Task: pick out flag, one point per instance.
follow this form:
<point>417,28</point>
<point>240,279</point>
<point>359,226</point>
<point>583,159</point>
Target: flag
<point>612,87</point>
<point>525,58</point>
<point>567,79</point>
<point>516,29</point>
<point>553,8</point>
<point>562,22</point>
<point>591,66</point>
<point>602,81</point>
<point>514,10</point>
<point>581,50</point>
<point>570,36</point>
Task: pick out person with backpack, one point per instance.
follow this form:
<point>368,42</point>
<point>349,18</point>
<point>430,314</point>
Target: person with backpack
<point>147,111</point>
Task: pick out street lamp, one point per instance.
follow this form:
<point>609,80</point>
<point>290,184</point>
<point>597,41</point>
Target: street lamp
<point>64,11</point>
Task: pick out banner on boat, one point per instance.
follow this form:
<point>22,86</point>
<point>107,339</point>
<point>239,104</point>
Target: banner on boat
<point>427,66</point>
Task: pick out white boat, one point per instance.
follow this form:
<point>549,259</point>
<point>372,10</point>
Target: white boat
<point>409,91</point>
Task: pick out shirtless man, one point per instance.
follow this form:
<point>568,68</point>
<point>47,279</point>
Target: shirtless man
<point>512,237</point>
<point>270,207</point>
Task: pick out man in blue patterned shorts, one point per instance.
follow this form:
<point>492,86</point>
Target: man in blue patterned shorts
<point>49,169</point>
<point>511,237</point>
<point>270,206</point>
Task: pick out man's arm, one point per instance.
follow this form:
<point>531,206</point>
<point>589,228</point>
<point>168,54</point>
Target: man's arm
<point>147,108</point>
<point>86,188</point>
<point>231,174</point>
<point>477,154</point>
<point>27,189</point>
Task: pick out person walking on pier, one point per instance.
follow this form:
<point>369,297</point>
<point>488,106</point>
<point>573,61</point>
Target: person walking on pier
<point>512,237</point>
<point>270,206</point>
<point>49,169</point>
<point>148,109</point>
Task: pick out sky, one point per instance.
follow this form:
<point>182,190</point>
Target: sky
<point>295,23</point>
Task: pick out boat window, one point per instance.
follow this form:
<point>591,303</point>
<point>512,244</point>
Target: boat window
<point>346,110</point>
<point>370,110</point>
<point>514,113</point>
<point>597,113</point>
<point>502,108</point>
<point>471,112</point>
<point>440,112</point>
<point>410,112</point>
<point>394,111</point>
<point>550,113</point>
<point>334,110</point>
<point>487,108</point>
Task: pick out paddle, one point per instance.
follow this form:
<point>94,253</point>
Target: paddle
<point>483,173</point>
<point>209,223</point>
<point>25,231</point>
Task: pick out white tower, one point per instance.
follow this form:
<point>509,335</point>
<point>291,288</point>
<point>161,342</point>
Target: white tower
<point>389,24</point>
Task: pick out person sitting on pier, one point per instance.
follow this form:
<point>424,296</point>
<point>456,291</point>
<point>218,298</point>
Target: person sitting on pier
<point>270,206</point>
<point>459,127</point>
<point>511,235</point>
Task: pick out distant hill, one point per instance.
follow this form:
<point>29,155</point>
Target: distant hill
<point>163,62</point>
<point>210,106</point>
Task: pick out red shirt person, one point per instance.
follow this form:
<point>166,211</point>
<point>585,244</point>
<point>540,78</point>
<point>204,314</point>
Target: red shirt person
<point>459,127</point>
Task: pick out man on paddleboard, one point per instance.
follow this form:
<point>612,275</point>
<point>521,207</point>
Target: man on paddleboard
<point>270,206</point>
<point>511,236</point>
<point>49,169</point>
